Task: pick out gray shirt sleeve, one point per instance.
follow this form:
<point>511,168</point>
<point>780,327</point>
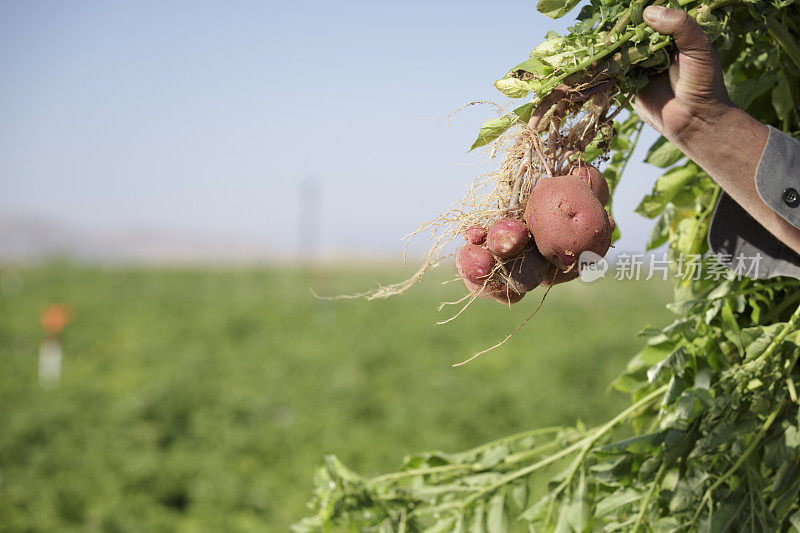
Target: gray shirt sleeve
<point>741,243</point>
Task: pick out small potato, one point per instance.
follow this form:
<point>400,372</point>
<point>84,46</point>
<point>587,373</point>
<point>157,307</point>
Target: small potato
<point>594,179</point>
<point>475,235</point>
<point>474,263</point>
<point>566,219</point>
<point>494,291</point>
<point>507,237</point>
<point>526,272</point>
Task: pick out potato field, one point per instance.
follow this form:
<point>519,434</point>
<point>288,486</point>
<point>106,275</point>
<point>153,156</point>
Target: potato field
<point>204,400</point>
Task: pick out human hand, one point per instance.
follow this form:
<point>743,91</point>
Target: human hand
<point>691,93</point>
<point>689,105</point>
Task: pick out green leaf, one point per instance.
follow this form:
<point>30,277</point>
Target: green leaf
<point>663,153</point>
<point>786,486</point>
<point>785,40</point>
<point>650,355</point>
<point>682,499</point>
<point>519,494</point>
<point>668,524</point>
<point>660,232</point>
<point>444,525</point>
<point>615,471</point>
<point>535,66</point>
<point>744,92</point>
<point>641,444</point>
<point>726,433</point>
<point>665,189</point>
<point>497,520</point>
<point>614,501</point>
<point>782,97</point>
<point>725,518</point>
<point>758,338</point>
<point>573,516</point>
<point>553,45</point>
<point>730,327</point>
<point>555,8</point>
<point>792,437</point>
<point>493,457</point>
<point>628,384</point>
<point>310,524</point>
<point>691,403</point>
<point>795,520</point>
<point>685,235</point>
<point>461,524</point>
<point>650,206</point>
<point>492,129</point>
<point>676,361</point>
<point>535,511</point>
<point>478,523</point>
<point>672,181</point>
<point>512,87</point>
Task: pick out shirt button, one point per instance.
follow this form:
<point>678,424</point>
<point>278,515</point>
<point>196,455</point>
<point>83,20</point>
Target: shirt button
<point>791,197</point>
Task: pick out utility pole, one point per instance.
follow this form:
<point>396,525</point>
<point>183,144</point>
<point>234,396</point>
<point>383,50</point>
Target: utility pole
<point>308,224</point>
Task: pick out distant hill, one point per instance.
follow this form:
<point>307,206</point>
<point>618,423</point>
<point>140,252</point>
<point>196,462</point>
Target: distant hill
<point>29,238</point>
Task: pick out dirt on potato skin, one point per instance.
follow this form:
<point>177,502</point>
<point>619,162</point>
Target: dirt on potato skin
<point>566,219</point>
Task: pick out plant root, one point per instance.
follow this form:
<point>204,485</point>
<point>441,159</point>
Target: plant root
<point>562,126</point>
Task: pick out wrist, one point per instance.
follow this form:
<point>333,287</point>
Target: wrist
<point>706,125</point>
<point>728,145</point>
<point>722,137</point>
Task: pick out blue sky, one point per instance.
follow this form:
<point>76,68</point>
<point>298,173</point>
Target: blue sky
<point>206,117</point>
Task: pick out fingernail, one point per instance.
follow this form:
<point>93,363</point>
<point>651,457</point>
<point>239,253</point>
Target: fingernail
<point>655,13</point>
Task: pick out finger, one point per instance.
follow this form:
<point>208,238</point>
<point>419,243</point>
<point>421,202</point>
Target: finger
<point>657,92</point>
<point>650,100</point>
<point>689,37</point>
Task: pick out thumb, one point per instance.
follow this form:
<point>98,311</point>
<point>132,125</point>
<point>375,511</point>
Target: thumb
<point>689,37</point>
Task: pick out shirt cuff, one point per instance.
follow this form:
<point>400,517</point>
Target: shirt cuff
<point>778,176</point>
<point>743,245</point>
<point>735,234</point>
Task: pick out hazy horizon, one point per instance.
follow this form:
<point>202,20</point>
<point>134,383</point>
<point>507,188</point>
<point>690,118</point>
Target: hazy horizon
<point>211,119</point>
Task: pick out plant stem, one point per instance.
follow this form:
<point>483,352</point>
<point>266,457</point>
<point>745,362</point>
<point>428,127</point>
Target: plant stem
<point>533,452</point>
<point>750,449</point>
<point>784,40</point>
<point>586,63</point>
<point>781,307</point>
<point>420,471</point>
<point>586,443</point>
<point>790,326</point>
<point>511,459</point>
<point>517,436</point>
<point>643,506</point>
<point>632,147</point>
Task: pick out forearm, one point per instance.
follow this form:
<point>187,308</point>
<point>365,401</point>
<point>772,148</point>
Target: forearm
<point>729,148</point>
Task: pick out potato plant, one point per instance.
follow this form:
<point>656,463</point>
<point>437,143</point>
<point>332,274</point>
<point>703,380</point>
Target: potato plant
<point>711,439</point>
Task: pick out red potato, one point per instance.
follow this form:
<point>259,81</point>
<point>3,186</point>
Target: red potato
<point>527,271</point>
<point>494,291</point>
<point>475,235</point>
<point>594,179</point>
<point>566,219</point>
<point>507,237</point>
<point>474,263</point>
